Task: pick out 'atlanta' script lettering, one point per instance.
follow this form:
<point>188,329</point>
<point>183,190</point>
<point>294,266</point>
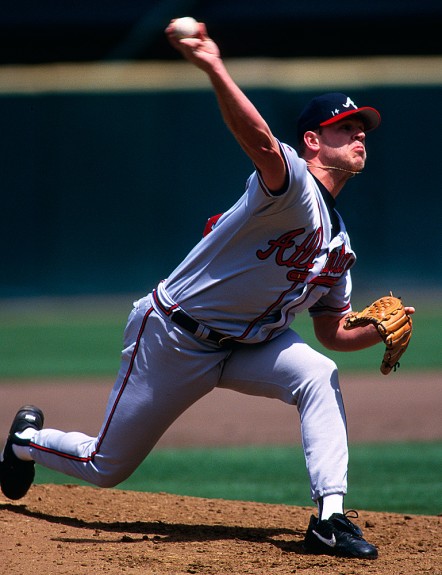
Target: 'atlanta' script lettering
<point>288,254</point>
<point>338,262</point>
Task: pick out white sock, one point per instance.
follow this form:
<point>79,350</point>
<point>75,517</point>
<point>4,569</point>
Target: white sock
<point>330,504</point>
<point>23,452</point>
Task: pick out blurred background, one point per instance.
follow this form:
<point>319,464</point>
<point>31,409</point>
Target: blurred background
<point>113,154</point>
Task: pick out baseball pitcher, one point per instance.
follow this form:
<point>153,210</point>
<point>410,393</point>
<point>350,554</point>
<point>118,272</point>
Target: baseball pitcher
<point>223,317</point>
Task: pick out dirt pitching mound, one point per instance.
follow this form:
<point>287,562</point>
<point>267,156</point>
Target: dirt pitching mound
<point>83,531</point>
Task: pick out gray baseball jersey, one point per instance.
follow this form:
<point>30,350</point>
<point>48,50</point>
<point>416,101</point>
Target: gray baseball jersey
<point>284,244</point>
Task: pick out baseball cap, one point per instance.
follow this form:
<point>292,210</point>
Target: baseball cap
<point>333,107</point>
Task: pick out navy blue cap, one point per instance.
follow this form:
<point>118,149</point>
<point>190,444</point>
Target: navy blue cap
<point>333,107</point>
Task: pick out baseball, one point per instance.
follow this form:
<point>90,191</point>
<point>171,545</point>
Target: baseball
<point>186,27</point>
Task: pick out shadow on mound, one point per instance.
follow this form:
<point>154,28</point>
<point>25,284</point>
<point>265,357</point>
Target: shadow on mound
<point>165,532</point>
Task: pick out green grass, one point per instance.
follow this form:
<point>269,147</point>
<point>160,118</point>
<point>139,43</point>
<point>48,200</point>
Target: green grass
<point>394,477</point>
<point>82,340</point>
<point>57,340</point>
<point>75,348</point>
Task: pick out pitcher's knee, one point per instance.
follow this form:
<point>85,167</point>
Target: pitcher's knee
<point>322,370</point>
<point>319,382</point>
<point>107,475</point>
<point>326,369</point>
<point>106,481</point>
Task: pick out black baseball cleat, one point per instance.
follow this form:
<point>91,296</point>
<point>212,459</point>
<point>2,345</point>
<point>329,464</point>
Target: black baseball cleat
<point>337,536</point>
<point>16,476</point>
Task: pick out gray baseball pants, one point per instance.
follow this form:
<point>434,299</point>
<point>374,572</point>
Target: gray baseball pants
<point>164,370</point>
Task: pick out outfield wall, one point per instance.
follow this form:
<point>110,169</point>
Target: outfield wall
<point>109,172</point>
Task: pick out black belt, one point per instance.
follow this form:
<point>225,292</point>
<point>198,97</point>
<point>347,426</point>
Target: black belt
<point>191,325</point>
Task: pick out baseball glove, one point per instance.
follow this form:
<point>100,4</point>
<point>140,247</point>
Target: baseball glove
<point>394,326</point>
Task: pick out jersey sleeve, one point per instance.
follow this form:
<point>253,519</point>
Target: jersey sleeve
<point>337,301</point>
<point>294,185</point>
